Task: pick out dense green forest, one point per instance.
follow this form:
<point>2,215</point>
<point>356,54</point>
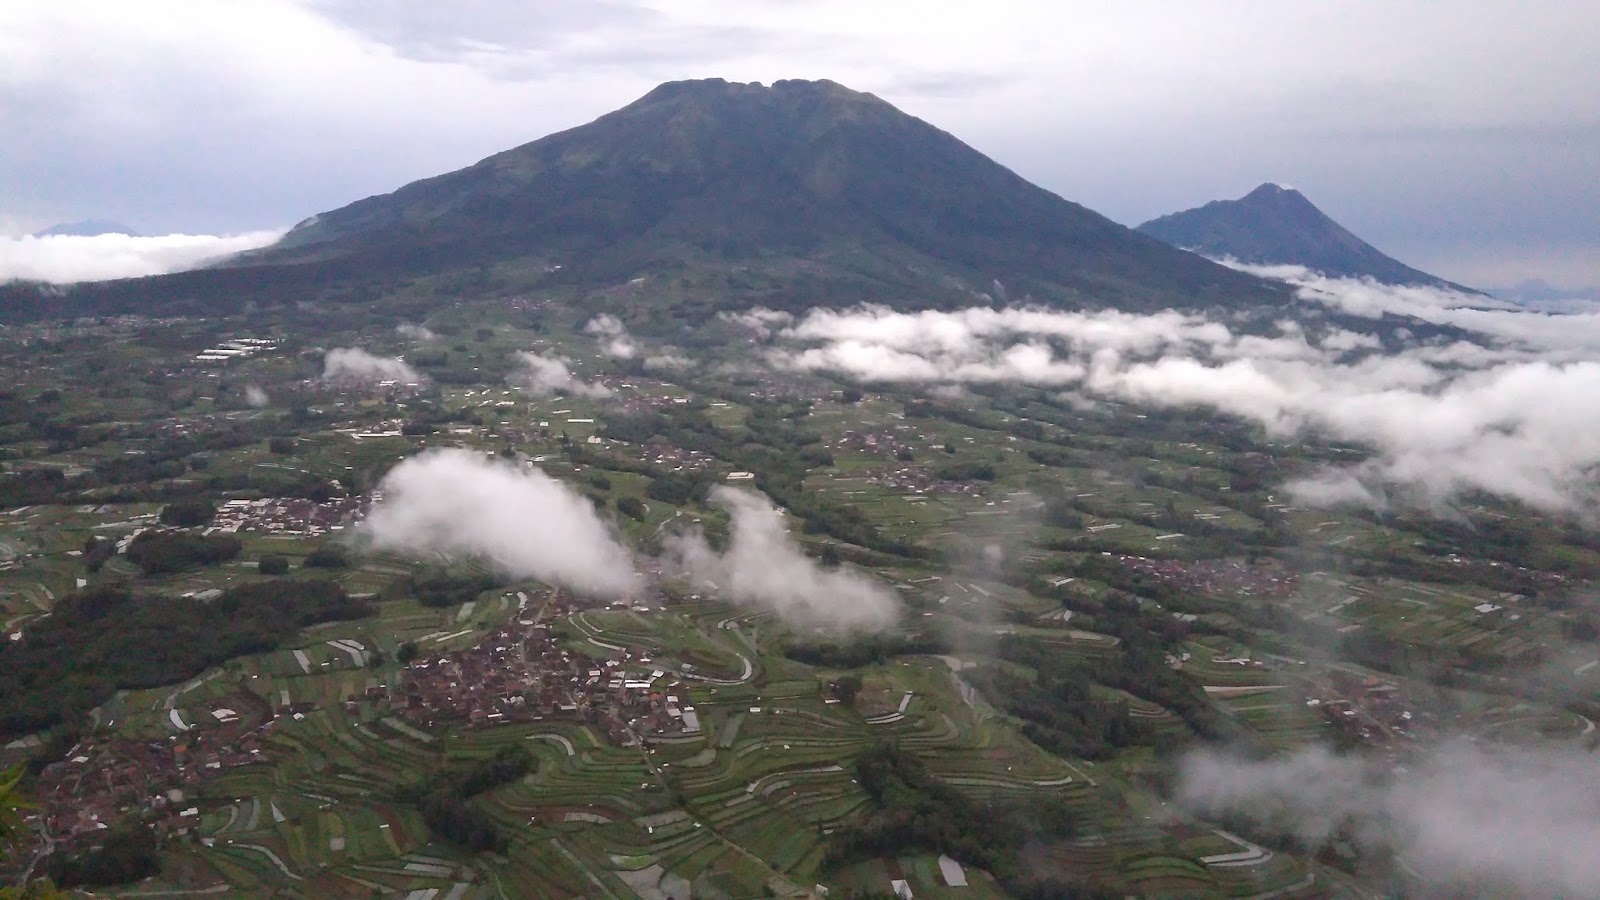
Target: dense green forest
<point>111,638</point>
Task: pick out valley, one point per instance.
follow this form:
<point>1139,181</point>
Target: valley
<point>1085,593</point>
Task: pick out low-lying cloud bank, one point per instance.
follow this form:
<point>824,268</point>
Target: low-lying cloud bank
<point>764,568</point>
<point>547,375</point>
<point>1508,821</point>
<point>1509,413</point>
<point>352,364</point>
<point>65,259</point>
<point>1554,333</point>
<point>457,502</point>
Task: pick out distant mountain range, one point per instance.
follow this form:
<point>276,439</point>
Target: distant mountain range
<point>797,194</point>
<point>86,228</point>
<point>1275,225</point>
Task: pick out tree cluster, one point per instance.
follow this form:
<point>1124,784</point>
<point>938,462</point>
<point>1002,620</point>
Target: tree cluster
<point>165,552</point>
<point>911,810</point>
<point>1058,708</point>
<point>445,798</point>
<point>128,853</point>
<point>442,589</point>
<point>190,512</point>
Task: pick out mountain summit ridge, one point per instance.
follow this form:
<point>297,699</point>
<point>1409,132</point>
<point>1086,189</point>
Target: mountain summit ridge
<point>1275,225</point>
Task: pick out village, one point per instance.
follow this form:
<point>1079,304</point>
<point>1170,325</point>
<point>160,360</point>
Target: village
<point>105,778</point>
<point>292,516</point>
<point>517,673</point>
<point>1218,577</point>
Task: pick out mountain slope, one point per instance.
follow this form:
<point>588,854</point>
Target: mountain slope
<point>1275,225</point>
<point>711,170</point>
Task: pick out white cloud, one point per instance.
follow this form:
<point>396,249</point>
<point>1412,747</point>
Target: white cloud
<point>352,364</point>
<point>1510,414</point>
<point>457,502</point>
<point>615,338</point>
<point>1469,820</point>
<point>65,259</point>
<point>416,332</point>
<point>256,396</point>
<point>545,375</point>
<point>763,567</point>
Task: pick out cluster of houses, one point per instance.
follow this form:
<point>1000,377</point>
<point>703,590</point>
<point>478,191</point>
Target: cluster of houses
<point>676,459</point>
<point>1371,710</point>
<point>290,515</point>
<point>1218,577</point>
<point>922,480</point>
<point>518,673</point>
<point>104,779</point>
<point>874,442</point>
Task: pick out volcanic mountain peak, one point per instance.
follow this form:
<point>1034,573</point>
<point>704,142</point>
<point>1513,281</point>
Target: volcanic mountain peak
<point>1274,224</point>
<point>793,195</point>
<point>715,171</point>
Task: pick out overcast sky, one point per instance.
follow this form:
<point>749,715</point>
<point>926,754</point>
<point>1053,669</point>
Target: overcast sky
<point>1461,137</point>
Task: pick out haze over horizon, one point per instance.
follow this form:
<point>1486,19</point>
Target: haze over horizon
<point>1461,144</point>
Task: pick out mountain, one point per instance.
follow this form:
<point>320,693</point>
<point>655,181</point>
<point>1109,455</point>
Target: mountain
<point>798,194</point>
<point>86,228</point>
<point>718,171</point>
<point>1274,225</point>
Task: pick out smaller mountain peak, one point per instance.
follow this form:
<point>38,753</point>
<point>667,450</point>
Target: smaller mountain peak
<point>86,228</point>
<point>1276,224</point>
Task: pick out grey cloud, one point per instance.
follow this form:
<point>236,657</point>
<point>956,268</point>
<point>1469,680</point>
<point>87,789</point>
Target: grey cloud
<point>948,85</point>
<point>547,38</point>
<point>431,31</point>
